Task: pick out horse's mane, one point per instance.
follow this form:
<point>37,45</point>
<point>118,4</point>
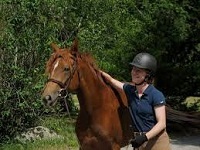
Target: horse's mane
<point>86,57</point>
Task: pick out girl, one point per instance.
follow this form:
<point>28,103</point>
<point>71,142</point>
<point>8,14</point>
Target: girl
<point>147,104</point>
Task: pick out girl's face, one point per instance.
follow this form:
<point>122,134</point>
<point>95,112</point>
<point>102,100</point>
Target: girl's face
<point>138,75</point>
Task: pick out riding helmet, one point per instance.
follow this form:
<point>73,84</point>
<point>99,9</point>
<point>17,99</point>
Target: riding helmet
<point>145,61</point>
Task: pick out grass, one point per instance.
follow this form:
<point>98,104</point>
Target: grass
<point>62,125</point>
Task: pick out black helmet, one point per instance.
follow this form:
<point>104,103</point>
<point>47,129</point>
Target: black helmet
<point>145,61</point>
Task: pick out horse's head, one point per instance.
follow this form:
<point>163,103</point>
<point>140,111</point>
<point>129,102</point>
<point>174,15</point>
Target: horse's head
<point>62,73</point>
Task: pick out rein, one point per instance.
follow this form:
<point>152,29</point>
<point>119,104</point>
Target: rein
<point>63,93</point>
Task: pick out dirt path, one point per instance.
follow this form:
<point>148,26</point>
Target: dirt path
<point>186,143</point>
<point>191,142</point>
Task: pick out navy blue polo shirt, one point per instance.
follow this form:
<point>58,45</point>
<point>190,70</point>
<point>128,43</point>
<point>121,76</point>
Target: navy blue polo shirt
<point>142,108</point>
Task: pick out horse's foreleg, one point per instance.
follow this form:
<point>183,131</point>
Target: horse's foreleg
<point>94,143</point>
<point>89,143</point>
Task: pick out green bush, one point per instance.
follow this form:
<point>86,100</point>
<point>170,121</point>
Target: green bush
<point>19,107</point>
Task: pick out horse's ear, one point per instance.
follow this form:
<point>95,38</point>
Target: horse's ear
<point>54,47</point>
<point>74,46</point>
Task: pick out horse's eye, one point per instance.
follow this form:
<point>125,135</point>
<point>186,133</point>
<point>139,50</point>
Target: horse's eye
<point>67,68</point>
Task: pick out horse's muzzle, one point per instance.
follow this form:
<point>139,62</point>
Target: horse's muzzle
<point>49,100</point>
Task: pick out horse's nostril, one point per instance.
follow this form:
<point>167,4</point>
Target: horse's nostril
<point>48,97</point>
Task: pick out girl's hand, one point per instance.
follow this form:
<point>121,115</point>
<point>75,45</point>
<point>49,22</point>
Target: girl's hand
<point>106,76</point>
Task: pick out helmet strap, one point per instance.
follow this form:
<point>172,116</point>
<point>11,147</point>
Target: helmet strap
<point>145,80</point>
<point>140,82</point>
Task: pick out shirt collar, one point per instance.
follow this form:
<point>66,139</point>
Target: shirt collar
<point>148,89</point>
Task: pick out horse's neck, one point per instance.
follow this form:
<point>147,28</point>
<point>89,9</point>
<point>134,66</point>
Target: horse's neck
<point>89,81</point>
<point>91,87</point>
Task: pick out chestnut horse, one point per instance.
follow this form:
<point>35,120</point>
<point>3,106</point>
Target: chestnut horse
<point>104,121</point>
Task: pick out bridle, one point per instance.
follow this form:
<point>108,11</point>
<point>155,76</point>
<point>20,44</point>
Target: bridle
<point>63,93</point>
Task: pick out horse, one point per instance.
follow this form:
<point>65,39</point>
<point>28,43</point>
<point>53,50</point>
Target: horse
<point>103,121</point>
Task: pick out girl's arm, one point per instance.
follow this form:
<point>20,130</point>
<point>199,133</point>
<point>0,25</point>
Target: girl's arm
<point>160,113</point>
<point>112,81</point>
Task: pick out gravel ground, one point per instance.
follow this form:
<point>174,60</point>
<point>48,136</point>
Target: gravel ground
<point>191,142</point>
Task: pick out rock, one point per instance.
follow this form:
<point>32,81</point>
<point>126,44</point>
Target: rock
<point>38,133</point>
